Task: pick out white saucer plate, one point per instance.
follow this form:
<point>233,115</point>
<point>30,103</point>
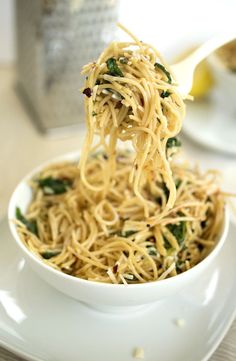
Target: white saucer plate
<point>39,323</point>
<point>210,124</point>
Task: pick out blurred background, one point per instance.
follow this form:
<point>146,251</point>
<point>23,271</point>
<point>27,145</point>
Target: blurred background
<point>43,45</point>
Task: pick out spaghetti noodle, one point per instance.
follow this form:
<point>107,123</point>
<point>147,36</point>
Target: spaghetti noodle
<point>121,216</point>
<point>131,95</point>
<point>108,239</point>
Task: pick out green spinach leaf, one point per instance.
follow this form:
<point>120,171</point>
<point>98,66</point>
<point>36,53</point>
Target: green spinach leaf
<point>179,231</point>
<point>165,94</point>
<point>113,68</point>
<point>50,253</point>
<point>31,225</point>
<point>173,142</point>
<point>54,185</point>
<point>126,234</point>
<point>166,72</point>
<point>152,251</point>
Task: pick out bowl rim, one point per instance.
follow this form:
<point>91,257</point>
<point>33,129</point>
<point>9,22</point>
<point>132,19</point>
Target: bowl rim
<point>72,156</point>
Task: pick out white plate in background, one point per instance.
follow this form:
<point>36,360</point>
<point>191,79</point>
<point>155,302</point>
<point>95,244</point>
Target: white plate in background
<point>209,124</point>
<point>39,323</point>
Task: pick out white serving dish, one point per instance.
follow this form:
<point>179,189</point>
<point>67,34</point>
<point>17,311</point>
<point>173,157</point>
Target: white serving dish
<point>106,297</point>
<point>39,323</point>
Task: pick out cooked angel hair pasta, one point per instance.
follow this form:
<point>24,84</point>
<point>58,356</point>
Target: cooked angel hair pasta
<point>131,95</point>
<point>108,239</point>
<point>125,217</point>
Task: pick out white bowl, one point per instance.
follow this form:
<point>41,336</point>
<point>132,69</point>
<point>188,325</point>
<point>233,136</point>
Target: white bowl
<point>106,297</point>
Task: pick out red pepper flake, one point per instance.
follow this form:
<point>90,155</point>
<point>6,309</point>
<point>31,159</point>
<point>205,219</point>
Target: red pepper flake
<point>88,92</point>
<point>118,105</point>
<point>66,179</point>
<point>115,268</point>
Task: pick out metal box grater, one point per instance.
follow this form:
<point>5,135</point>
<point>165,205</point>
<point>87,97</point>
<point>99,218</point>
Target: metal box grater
<point>55,38</point>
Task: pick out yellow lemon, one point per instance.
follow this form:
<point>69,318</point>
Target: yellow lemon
<point>202,80</point>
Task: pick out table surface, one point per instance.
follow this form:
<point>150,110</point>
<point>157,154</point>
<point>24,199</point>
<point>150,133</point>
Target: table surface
<point>26,147</point>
